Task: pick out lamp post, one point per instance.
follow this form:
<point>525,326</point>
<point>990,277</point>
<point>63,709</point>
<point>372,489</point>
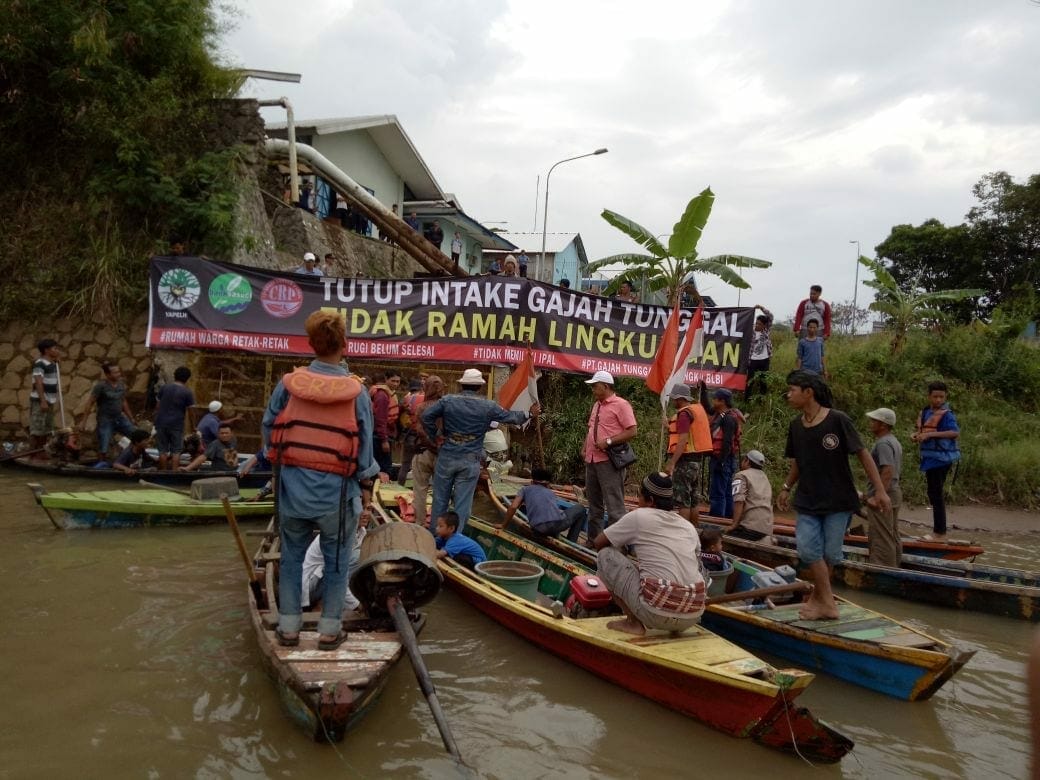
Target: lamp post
<point>855,288</point>
<point>545,213</point>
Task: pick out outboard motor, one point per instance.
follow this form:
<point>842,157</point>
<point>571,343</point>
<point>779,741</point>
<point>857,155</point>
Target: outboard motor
<point>397,559</point>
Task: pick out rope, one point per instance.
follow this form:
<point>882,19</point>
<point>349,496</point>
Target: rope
<point>790,727</point>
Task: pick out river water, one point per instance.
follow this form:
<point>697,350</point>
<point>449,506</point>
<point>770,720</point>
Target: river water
<point>128,653</point>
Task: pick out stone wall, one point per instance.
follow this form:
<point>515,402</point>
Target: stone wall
<point>85,346</point>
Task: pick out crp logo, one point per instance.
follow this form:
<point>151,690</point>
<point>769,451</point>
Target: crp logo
<point>230,293</point>
<point>281,298</point>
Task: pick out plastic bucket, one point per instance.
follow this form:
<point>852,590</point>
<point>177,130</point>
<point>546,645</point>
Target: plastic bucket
<point>519,577</point>
<point>717,583</point>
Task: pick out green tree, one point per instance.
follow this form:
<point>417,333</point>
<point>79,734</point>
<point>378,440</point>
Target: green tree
<point>676,266</point>
<point>906,307</point>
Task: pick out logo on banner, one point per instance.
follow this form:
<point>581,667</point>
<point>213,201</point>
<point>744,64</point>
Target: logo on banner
<point>179,289</point>
<point>281,298</point>
<point>230,294</point>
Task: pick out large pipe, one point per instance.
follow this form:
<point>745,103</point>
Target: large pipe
<point>290,129</point>
<point>424,252</point>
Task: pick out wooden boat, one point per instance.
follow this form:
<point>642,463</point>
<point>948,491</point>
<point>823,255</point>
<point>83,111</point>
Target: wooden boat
<point>135,507</point>
<point>324,691</point>
<point>862,646</point>
<point>254,479</point>
<point>695,672</point>
<point>957,584</point>
<point>953,550</point>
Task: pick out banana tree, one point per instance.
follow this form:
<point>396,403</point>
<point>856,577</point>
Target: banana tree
<point>675,266</point>
<point>906,308</point>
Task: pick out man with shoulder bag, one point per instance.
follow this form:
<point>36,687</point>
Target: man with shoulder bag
<point>612,425</point>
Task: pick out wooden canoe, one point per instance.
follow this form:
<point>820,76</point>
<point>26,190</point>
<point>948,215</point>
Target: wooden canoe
<point>137,507</point>
<point>254,479</point>
<point>863,647</point>
<point>696,672</point>
<point>325,692</point>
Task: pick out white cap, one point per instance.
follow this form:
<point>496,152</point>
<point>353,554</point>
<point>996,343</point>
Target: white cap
<point>215,406</point>
<point>883,415</point>
<point>756,457</point>
<point>601,376</point>
<point>308,256</point>
<point>472,376</point>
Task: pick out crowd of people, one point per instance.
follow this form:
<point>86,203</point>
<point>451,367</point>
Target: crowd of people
<point>332,433</point>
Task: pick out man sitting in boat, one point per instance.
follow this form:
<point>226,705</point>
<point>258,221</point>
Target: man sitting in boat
<point>542,507</point>
<point>752,500</point>
<point>459,547</point>
<point>131,460</point>
<point>664,588</point>
<point>220,453</point>
<point>314,568</point>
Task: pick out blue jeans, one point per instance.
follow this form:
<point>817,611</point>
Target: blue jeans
<point>454,482</point>
<point>821,536</point>
<point>107,426</point>
<point>296,536</point>
<point>720,492</point>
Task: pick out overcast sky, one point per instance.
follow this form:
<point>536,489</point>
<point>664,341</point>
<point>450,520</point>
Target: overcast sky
<point>815,122</point>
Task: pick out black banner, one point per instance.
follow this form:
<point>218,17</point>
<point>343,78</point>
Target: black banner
<point>200,304</point>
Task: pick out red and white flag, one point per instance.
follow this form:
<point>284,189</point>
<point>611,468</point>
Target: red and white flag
<point>669,368</point>
<point>520,392</point>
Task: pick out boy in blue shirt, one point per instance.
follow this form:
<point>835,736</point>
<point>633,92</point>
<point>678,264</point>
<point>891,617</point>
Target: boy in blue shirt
<point>451,543</point>
<point>810,351</point>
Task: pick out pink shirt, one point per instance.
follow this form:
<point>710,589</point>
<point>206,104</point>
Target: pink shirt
<point>615,416</point>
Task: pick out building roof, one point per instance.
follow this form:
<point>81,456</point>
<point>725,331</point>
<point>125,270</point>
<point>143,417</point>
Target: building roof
<point>387,134</point>
<point>488,239</point>
<point>554,242</point>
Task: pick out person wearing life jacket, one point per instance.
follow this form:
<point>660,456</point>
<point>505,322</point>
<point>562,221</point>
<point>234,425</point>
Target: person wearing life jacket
<point>386,410</point>
<point>689,438</point>
<point>936,436</point>
<point>406,427</point>
<point>726,426</point>
<point>317,432</point>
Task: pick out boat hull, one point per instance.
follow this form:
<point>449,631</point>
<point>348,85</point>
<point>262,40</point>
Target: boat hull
<point>254,479</point>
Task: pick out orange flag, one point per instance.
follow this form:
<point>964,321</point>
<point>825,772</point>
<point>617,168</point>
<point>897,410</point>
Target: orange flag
<point>520,392</point>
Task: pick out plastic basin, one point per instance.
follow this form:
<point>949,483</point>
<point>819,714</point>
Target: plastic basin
<point>518,577</point>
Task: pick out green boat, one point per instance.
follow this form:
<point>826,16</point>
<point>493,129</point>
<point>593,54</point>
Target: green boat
<point>136,507</point>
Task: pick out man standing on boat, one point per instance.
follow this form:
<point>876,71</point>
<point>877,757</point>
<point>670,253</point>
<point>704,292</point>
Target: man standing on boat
<point>883,542</point>
<point>425,459</point>
<point>689,438</point>
<point>936,435</point>
<point>318,432</point>
<point>819,443</point>
<point>44,396</point>
<point>611,422</point>
<point>465,417</point>
<point>663,588</point>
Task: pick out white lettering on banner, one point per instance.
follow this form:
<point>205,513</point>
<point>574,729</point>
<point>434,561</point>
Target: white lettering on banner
<point>381,291</point>
<point>716,324</point>
<point>569,305</point>
<point>462,293</point>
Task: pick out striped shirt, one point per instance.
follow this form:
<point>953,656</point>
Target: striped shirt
<point>48,370</point>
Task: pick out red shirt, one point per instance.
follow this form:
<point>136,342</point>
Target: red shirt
<point>615,416</point>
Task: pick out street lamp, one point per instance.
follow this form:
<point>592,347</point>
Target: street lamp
<point>855,289</point>
<point>545,213</point>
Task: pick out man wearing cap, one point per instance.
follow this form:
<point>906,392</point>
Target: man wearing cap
<point>464,419</point>
<point>43,396</point>
<point>726,425</point>
<point>611,421</point>
<point>310,265</point>
<point>663,588</point>
<point>689,437</point>
<point>210,423</point>
<point>884,547</point>
<point>752,500</point>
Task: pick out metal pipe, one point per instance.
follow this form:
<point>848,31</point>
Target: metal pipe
<point>290,131</point>
<point>545,213</point>
<point>855,288</point>
<point>431,258</point>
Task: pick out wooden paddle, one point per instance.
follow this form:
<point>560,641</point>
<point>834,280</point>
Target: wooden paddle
<point>21,454</point>
<point>254,580</point>
<point>411,644</point>
<point>773,590</point>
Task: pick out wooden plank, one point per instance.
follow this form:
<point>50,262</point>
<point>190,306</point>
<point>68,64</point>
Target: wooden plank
<point>910,639</point>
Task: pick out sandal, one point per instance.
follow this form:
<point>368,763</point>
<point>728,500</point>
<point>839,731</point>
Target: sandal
<point>332,644</point>
<point>287,640</point>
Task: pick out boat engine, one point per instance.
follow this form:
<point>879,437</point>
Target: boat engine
<point>397,559</point>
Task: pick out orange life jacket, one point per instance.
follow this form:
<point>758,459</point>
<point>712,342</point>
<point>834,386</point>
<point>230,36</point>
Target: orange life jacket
<point>318,427</point>
<point>410,410</point>
<point>394,410</point>
<point>699,439</point>
<point>716,432</point>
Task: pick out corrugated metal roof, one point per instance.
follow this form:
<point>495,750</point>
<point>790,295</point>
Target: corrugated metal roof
<point>532,242</point>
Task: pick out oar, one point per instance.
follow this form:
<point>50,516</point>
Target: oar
<point>254,581</point>
<point>146,483</point>
<point>793,587</point>
<point>21,454</point>
<point>404,630</point>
